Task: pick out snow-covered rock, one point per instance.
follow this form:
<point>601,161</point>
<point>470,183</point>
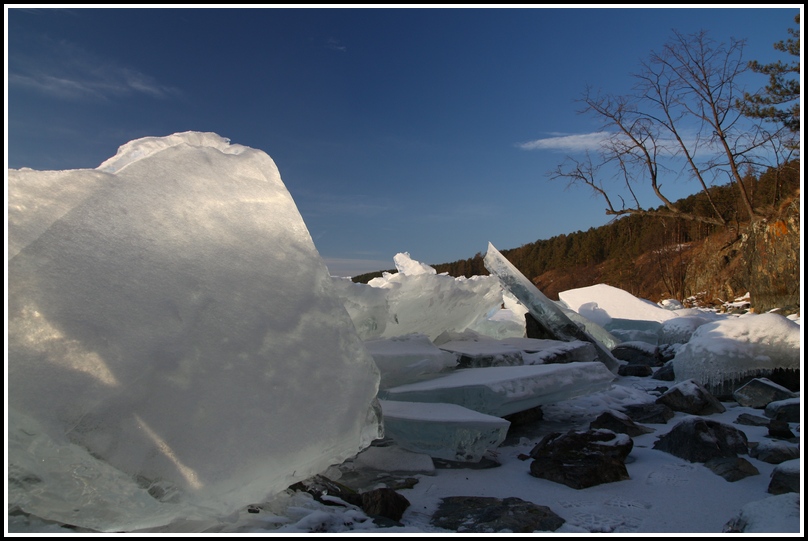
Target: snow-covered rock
<point>732,348</point>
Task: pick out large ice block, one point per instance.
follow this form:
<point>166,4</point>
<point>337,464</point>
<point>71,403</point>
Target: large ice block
<point>505,390</point>
<point>545,311</point>
<point>445,431</point>
<point>170,319</point>
<point>407,359</point>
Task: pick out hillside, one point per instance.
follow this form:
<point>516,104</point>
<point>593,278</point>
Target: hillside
<point>657,258</point>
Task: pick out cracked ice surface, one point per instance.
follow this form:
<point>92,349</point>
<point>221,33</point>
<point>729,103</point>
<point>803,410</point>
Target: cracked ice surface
<point>170,319</point>
<point>447,431</point>
<point>543,309</point>
<point>505,390</point>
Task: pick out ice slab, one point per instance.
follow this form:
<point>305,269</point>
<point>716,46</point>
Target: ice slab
<point>409,358</point>
<point>477,351</point>
<point>445,431</point>
<point>393,458</point>
<point>550,315</point>
<point>171,319</point>
<point>505,390</point>
<point>733,348</point>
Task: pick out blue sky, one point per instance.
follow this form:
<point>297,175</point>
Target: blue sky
<point>393,129</point>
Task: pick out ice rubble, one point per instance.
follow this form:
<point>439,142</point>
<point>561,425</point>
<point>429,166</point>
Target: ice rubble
<point>170,328</point>
<point>418,300</point>
<point>732,348</point>
<point>549,314</point>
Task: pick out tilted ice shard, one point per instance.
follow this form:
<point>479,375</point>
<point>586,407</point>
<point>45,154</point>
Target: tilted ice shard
<point>445,431</point>
<point>545,311</point>
<point>177,325</point>
<point>505,390</point>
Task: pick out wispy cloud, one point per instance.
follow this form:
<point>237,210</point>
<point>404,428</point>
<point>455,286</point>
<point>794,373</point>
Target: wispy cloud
<point>66,71</point>
<point>596,141</point>
<point>336,45</point>
<point>568,142</point>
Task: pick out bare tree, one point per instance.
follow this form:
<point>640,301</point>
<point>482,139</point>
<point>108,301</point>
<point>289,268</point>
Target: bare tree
<point>681,120</point>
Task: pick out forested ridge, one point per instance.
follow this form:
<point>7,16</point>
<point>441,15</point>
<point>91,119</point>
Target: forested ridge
<point>645,255</point>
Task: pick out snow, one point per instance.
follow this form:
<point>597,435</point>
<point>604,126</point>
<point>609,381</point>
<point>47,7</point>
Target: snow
<point>604,302</point>
<point>224,357</point>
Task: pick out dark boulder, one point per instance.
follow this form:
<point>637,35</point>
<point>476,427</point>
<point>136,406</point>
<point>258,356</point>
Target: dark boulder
<point>619,423</point>
<point>582,459</point>
<point>780,430</point>
<point>784,410</point>
<point>665,372</point>
<point>751,420</point>
<point>475,514</point>
<point>785,477</point>
<point>774,452</point>
<point>319,486</point>
<point>699,440</point>
<point>638,353</point>
<point>649,413</point>
<point>636,370</point>
<point>732,469</point>
<point>689,396</point>
<point>384,502</point>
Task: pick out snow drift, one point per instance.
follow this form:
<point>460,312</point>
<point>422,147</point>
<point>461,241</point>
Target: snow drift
<point>174,344</point>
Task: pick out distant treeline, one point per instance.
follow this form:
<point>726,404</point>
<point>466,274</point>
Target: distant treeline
<point>627,237</point>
